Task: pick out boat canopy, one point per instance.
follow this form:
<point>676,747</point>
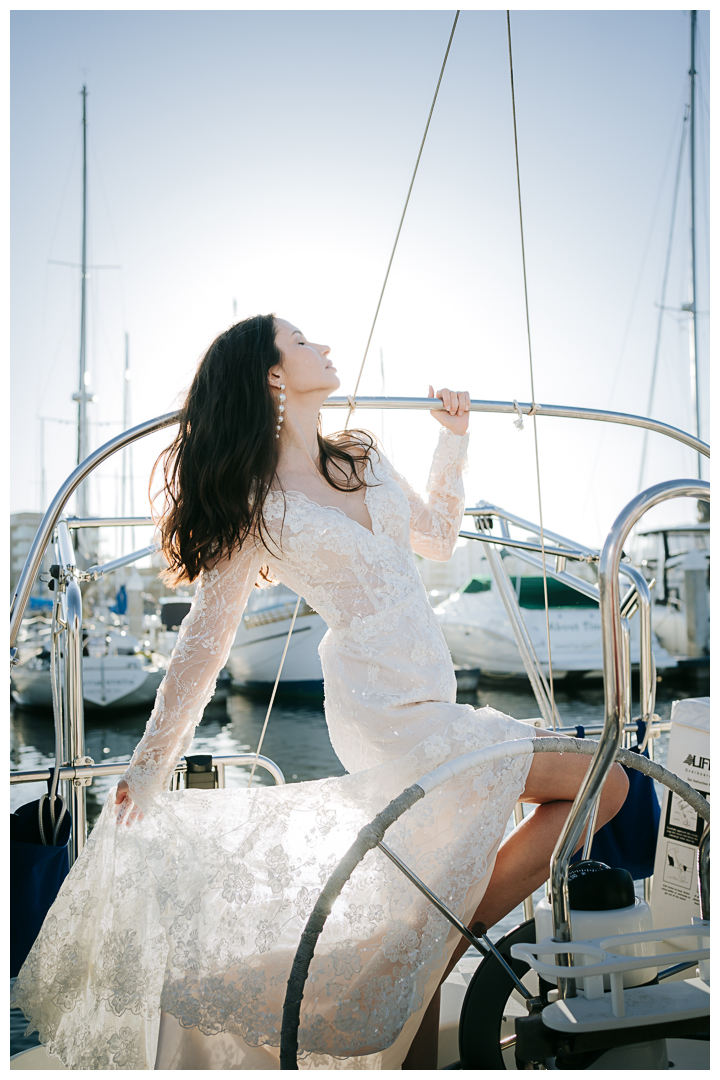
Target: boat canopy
<point>532,594</point>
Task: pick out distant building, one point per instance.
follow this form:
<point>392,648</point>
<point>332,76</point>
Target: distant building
<point>22,533</point>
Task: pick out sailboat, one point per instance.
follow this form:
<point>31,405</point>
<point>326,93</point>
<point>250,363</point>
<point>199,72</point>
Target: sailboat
<point>675,558</point>
<point>483,1018</point>
<point>679,556</point>
<point>479,634</point>
<point>119,669</point>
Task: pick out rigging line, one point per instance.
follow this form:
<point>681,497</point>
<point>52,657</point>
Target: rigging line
<point>274,691</point>
<point>351,397</point>
<point>43,331</point>
<point>532,381</point>
<point>631,315</point>
<point>663,291</point>
<point>101,185</point>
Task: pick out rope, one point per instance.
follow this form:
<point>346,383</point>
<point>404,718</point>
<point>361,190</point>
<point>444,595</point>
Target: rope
<point>274,691</point>
<point>351,397</point>
<point>534,407</point>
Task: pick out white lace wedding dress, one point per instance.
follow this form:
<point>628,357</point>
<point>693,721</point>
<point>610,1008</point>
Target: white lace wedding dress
<point>171,941</point>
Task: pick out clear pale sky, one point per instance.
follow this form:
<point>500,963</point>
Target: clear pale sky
<point>263,157</point>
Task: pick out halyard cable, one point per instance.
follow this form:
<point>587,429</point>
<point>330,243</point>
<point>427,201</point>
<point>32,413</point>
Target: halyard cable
<point>274,691</point>
<point>351,397</point>
<point>663,291</point>
<point>532,380</point>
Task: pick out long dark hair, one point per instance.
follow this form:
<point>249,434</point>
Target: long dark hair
<point>223,460</point>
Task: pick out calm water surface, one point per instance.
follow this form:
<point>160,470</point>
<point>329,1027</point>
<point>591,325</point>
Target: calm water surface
<point>296,739</point>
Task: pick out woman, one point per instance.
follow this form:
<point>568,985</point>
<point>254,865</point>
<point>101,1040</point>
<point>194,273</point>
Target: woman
<point>171,941</point>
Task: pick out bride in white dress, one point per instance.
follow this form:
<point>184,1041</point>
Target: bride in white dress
<point>171,941</point>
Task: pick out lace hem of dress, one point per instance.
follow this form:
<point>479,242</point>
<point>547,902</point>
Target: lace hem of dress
<point>182,920</point>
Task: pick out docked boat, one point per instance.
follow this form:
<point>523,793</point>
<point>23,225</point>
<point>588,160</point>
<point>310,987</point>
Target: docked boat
<point>585,980</point>
<point>261,637</point>
<point>479,634</point>
<point>115,674</point>
<point>678,557</point>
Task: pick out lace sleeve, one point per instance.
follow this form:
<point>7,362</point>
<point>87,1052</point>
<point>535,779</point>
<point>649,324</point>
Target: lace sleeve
<point>434,525</point>
<point>206,635</point>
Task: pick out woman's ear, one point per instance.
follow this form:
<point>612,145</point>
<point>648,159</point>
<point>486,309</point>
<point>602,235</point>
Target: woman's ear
<point>275,377</point>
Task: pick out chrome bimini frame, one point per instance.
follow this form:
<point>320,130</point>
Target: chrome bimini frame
<point>126,438</point>
<point>56,526</point>
<point>637,597</point>
<point>615,682</point>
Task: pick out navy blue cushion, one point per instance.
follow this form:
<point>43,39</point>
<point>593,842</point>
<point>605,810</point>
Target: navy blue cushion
<point>630,839</point>
<point>36,873</point>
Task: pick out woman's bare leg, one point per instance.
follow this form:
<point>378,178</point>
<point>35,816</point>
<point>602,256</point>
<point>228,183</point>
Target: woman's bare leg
<point>523,861</point>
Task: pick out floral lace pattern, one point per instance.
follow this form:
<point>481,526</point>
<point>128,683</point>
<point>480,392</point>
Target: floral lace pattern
<point>197,909</point>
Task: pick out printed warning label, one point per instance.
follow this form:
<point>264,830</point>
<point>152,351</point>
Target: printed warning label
<point>675,899</point>
<point>679,866</point>
<point>681,821</point>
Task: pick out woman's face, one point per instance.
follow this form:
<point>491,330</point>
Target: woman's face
<point>306,365</point>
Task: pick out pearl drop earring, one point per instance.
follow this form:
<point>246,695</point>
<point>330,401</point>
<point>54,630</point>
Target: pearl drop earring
<point>281,410</point>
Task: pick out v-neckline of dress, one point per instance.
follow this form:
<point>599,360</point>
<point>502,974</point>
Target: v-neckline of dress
<point>329,506</point>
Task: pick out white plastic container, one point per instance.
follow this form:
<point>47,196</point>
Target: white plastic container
<point>675,896</point>
<point>593,924</point>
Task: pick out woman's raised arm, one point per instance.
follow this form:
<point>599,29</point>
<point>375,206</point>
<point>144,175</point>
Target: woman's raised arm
<point>202,648</point>
<point>435,524</point>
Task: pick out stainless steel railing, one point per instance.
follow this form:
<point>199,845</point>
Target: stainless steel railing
<point>510,408</point>
<point>615,684</point>
<point>73,716</point>
<point>58,504</point>
<point>70,575</point>
<point>89,772</point>
<point>126,438</point>
<point>637,597</point>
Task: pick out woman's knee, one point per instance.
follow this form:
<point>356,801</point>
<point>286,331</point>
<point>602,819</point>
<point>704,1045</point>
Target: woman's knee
<point>558,776</point>
<point>615,791</point>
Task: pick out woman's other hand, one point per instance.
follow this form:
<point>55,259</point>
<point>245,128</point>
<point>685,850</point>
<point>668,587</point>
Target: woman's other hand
<point>456,413</point>
<point>127,811</point>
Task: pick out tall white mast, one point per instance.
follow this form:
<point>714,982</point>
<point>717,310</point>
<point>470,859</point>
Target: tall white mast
<point>127,509</point>
<point>692,306</point>
<point>82,396</point>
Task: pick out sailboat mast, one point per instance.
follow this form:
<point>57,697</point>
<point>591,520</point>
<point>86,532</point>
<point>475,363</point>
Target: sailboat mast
<point>82,395</point>
<point>126,422</point>
<point>128,509</point>
<point>693,305</point>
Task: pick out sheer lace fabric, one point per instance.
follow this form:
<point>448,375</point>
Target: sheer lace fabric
<point>196,910</point>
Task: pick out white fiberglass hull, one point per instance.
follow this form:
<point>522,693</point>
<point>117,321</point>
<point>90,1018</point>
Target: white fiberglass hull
<point>478,634</point>
<point>260,640</point>
<point>108,681</point>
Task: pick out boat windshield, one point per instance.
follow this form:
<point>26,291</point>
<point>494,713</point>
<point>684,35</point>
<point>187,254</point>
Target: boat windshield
<point>679,543</point>
<point>532,594</point>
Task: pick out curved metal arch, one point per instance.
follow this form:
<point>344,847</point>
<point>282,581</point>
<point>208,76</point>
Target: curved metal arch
<point>148,427</point>
<point>615,703</point>
<point>56,507</point>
